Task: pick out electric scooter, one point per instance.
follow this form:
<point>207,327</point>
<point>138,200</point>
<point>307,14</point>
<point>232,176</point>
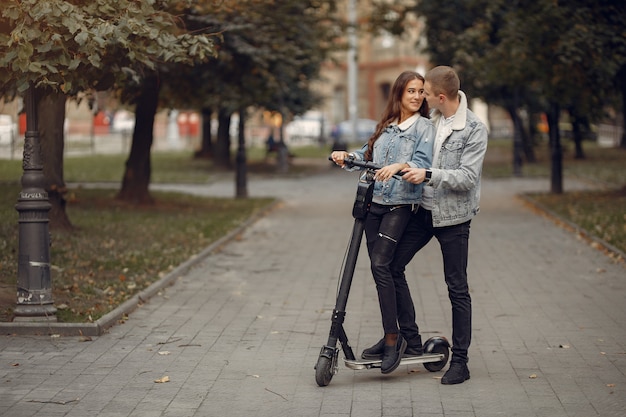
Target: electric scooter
<point>436,349</point>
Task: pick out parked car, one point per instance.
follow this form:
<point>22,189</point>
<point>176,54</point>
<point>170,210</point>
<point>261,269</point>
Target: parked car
<point>307,128</point>
<point>8,129</point>
<point>343,132</point>
<point>123,122</point>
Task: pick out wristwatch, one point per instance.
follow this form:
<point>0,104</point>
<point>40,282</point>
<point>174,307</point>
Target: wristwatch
<point>428,176</point>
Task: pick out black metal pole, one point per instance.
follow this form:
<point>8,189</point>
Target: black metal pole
<point>34,289</point>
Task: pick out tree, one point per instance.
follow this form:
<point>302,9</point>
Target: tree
<point>269,54</point>
<point>547,54</point>
<point>65,47</point>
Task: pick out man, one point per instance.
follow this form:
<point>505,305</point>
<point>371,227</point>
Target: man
<point>450,199</point>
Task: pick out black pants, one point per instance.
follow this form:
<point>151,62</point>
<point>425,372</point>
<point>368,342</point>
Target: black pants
<point>454,243</point>
<point>384,226</point>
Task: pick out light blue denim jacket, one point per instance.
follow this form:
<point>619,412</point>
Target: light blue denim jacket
<point>410,142</point>
<point>457,170</point>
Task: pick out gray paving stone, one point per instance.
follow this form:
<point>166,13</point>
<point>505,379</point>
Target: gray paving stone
<point>238,333</point>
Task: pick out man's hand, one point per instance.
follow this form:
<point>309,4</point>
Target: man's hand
<point>414,175</point>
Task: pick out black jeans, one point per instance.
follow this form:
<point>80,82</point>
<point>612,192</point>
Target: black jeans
<point>454,243</point>
<point>384,225</point>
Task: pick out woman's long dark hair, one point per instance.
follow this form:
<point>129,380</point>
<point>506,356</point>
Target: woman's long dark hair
<point>394,107</point>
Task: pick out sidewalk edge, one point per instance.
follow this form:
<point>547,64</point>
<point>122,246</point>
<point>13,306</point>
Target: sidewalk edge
<point>609,250</point>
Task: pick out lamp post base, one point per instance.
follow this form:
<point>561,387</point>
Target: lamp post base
<point>35,313</point>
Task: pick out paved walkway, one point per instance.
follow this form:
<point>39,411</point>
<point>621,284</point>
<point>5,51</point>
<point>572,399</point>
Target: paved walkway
<point>239,334</point>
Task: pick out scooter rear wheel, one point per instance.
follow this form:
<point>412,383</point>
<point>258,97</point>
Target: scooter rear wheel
<point>437,345</point>
<point>323,371</point>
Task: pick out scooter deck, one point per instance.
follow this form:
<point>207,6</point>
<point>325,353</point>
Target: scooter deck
<point>407,360</point>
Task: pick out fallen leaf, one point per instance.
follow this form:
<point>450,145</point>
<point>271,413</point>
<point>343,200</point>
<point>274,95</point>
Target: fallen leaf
<point>162,380</point>
<point>83,338</point>
<point>15,364</point>
<point>610,385</point>
<point>533,376</point>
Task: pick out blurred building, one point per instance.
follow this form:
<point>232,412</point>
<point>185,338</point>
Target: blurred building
<point>380,59</point>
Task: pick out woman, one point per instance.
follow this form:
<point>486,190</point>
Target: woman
<point>403,139</point>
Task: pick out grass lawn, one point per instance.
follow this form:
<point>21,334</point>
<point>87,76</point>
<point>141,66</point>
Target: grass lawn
<point>601,211</point>
<point>117,250</point>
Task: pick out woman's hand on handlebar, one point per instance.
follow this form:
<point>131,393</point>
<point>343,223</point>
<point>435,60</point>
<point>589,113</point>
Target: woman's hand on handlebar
<point>338,157</point>
<point>388,171</point>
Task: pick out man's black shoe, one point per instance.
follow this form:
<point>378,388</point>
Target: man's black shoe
<point>376,351</point>
<point>456,374</point>
<point>392,356</point>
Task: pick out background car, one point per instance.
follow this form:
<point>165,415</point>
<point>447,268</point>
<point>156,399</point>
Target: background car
<point>343,132</point>
<point>8,129</point>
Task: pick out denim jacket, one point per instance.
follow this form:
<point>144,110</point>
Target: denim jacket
<point>410,142</point>
<point>457,170</point>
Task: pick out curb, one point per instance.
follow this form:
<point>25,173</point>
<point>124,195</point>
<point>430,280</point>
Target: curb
<point>595,242</point>
<point>101,325</point>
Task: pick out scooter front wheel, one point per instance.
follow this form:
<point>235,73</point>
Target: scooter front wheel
<point>323,371</point>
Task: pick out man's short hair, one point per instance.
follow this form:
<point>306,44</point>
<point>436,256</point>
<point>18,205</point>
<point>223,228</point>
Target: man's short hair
<point>444,80</point>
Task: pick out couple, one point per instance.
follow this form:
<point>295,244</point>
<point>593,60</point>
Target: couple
<point>441,162</point>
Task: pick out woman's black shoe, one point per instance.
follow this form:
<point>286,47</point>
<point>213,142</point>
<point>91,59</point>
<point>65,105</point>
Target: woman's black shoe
<point>392,356</point>
<point>376,351</point>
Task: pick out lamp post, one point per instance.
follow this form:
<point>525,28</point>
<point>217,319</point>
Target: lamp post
<point>34,289</point>
<point>353,103</point>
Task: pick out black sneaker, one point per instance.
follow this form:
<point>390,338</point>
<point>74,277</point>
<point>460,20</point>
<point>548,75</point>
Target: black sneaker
<point>392,356</point>
<point>456,374</point>
<point>375,352</point>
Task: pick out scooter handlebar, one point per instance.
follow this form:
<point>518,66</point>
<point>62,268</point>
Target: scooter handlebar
<point>351,162</point>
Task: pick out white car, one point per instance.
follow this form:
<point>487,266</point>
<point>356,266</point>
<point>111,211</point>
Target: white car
<point>8,129</point>
<point>309,127</point>
<point>123,121</point>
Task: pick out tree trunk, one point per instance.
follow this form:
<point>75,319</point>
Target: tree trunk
<point>206,145</point>
<point>282,153</point>
<point>51,111</point>
<point>556,151</point>
<point>529,140</point>
<point>517,141</point>
<point>577,136</point>
<point>136,181</point>
<point>621,75</point>
<point>221,158</point>
<point>241,185</point>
